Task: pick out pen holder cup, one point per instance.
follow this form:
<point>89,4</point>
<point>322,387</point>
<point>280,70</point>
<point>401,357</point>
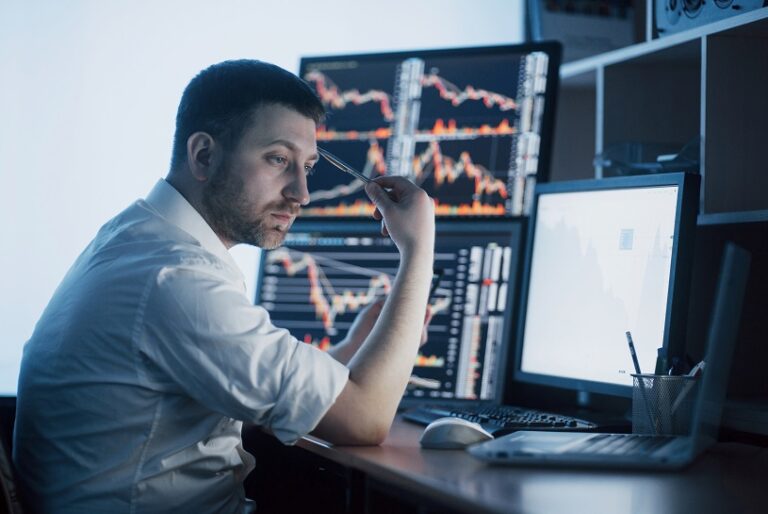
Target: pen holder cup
<point>663,404</point>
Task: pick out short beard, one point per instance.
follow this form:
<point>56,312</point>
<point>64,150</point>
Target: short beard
<point>229,212</point>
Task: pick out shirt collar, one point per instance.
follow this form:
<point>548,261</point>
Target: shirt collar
<point>172,206</point>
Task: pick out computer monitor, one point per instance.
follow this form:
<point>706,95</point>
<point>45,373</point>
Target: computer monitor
<point>605,257</point>
<point>472,126</point>
<point>324,274</point>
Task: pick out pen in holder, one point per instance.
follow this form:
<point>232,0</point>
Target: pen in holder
<point>663,404</point>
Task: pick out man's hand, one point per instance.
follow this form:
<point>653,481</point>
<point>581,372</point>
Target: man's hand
<point>427,319</point>
<point>407,213</point>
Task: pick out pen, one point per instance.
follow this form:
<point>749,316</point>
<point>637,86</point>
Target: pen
<point>661,362</point>
<point>641,381</point>
<point>633,353</point>
<point>343,166</point>
<point>695,371</point>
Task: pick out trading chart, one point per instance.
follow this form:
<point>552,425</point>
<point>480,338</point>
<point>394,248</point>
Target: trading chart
<point>319,281</point>
<point>467,127</point>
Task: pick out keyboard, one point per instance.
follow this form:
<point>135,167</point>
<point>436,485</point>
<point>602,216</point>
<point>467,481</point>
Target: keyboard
<point>621,444</point>
<point>500,419</point>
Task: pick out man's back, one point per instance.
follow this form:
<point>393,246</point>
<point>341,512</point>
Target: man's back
<point>86,415</point>
<point>118,406</point>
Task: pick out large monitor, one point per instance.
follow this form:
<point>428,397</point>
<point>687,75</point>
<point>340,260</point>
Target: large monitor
<point>605,257</point>
<point>472,126</point>
<point>324,274</point>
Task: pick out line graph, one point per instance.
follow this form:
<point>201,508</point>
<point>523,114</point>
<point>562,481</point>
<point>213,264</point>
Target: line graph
<point>472,125</point>
<point>320,280</point>
<point>332,97</point>
<point>445,169</point>
<point>326,301</point>
<point>458,185</point>
<point>439,131</point>
<point>457,96</point>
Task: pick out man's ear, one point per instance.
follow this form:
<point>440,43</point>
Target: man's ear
<point>200,155</point>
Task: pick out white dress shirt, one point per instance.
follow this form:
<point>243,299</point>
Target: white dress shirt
<point>149,356</point>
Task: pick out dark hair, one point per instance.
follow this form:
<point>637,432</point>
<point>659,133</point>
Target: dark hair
<point>221,99</point>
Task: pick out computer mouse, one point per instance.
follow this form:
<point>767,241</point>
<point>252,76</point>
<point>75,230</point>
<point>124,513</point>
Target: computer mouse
<point>451,433</point>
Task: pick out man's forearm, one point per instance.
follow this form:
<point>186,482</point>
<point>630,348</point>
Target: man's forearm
<point>384,362</point>
<point>342,352</point>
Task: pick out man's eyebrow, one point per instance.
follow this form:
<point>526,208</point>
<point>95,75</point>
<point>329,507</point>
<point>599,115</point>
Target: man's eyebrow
<point>291,146</point>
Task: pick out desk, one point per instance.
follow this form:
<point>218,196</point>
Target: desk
<point>399,476</point>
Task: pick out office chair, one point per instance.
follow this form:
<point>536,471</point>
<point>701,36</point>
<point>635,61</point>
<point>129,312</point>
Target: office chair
<point>9,496</point>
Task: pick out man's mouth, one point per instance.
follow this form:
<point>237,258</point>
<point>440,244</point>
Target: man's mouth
<point>283,217</point>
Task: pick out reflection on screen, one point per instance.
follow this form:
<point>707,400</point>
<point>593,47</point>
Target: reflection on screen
<point>319,281</point>
<point>601,266</point>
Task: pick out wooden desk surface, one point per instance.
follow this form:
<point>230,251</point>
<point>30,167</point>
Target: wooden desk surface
<point>730,478</point>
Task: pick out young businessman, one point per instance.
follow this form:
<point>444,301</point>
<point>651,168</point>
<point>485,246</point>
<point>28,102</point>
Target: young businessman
<point>148,358</point>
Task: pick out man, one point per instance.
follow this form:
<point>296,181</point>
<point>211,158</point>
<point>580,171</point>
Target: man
<point>148,358</point>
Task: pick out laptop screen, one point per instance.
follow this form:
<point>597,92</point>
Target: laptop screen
<point>325,274</point>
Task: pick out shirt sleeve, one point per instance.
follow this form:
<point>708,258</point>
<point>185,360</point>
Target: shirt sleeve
<point>204,334</point>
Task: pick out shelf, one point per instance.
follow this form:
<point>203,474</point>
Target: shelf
<point>732,218</point>
<point>742,24</point>
<point>705,84</point>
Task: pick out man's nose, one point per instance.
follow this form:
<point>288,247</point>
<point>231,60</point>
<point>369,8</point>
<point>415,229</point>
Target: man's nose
<point>297,190</point>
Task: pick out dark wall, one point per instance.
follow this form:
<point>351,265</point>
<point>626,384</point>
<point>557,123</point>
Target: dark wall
<point>748,376</point>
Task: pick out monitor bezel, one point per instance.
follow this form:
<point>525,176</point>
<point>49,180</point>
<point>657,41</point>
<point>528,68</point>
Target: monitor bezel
<point>679,280</point>
<point>515,229</point>
<point>554,51</point>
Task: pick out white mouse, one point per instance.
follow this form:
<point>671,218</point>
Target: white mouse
<point>451,433</point>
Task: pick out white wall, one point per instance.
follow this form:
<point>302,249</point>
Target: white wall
<point>89,90</point>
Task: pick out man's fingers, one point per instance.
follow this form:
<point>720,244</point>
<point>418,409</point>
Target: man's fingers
<point>377,194</point>
<point>427,319</point>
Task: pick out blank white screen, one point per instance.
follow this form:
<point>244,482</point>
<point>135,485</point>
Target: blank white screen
<point>600,267</point>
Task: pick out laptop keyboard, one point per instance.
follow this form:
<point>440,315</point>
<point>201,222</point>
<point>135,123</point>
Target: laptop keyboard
<point>499,419</point>
<point>620,444</point>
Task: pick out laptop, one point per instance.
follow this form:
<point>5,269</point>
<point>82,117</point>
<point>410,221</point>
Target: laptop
<point>646,451</point>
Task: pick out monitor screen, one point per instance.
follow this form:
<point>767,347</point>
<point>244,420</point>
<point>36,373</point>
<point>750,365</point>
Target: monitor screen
<point>324,274</point>
<point>605,257</point>
<point>472,126</point>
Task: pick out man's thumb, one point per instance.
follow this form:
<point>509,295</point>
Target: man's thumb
<point>377,194</point>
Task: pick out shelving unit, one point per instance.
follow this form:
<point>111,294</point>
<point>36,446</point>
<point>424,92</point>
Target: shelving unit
<point>709,83</point>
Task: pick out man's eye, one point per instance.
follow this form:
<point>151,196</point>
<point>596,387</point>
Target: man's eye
<point>278,159</point>
<point>309,170</point>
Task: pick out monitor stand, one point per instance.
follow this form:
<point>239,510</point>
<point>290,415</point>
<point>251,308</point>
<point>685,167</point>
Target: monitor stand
<point>606,421</point>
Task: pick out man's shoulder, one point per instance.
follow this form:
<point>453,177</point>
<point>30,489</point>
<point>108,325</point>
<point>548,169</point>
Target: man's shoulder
<point>139,232</point>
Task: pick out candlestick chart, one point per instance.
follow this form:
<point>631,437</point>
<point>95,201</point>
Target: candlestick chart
<point>322,278</point>
<point>467,128</point>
